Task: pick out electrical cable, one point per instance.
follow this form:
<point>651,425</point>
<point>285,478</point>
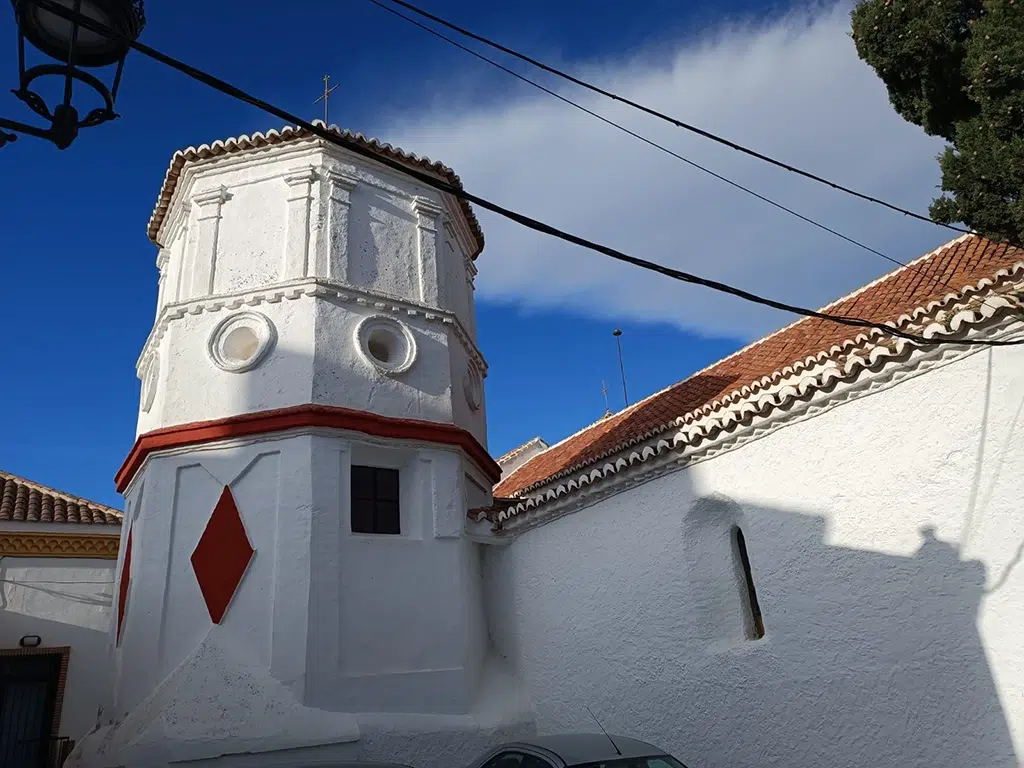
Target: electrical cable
<point>672,120</point>
<point>26,582</point>
<point>334,137</point>
<point>654,144</point>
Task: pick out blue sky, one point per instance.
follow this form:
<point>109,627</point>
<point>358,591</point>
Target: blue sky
<point>80,281</point>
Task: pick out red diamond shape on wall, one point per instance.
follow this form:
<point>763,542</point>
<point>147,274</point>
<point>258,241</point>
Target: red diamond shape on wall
<point>122,587</point>
<point>221,556</point>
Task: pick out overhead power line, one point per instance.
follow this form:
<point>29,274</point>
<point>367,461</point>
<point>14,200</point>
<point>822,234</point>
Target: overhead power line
<point>670,119</point>
<point>428,180</point>
<point>635,135</point>
<point>602,118</point>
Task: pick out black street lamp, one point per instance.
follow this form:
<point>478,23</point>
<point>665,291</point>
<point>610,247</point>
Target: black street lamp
<point>52,27</point>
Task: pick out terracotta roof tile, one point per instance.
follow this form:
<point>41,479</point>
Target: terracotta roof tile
<point>295,134</point>
<point>955,265</point>
<point>24,501</point>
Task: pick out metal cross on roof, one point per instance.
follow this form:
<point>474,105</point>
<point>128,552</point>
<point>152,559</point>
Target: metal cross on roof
<point>325,96</point>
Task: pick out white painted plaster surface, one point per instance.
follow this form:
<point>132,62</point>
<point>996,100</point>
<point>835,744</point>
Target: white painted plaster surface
<point>341,376</point>
<point>273,206</point>
<point>219,700</point>
<point>341,636</point>
<point>388,628</point>
<point>254,233</point>
<point>67,602</point>
<point>885,539</point>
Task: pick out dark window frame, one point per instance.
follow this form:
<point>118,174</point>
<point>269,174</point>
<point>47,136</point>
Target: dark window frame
<point>375,500</point>
<point>753,607</point>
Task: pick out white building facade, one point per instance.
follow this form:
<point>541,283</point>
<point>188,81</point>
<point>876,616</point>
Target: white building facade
<point>57,559</point>
<point>822,567</point>
<point>814,562</point>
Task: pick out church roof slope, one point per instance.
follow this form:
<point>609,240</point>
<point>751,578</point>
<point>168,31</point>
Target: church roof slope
<point>290,134</point>
<point>947,270</point>
<point>22,500</point>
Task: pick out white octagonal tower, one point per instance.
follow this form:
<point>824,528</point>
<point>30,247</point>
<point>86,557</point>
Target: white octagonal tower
<point>296,573</point>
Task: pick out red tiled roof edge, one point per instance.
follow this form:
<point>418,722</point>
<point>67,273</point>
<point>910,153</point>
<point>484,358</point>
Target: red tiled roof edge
<point>575,452</point>
<point>22,500</point>
<point>294,133</point>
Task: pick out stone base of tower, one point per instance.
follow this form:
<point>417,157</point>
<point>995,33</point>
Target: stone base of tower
<point>219,709</point>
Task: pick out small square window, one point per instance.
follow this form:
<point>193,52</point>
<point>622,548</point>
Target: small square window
<point>375,506</point>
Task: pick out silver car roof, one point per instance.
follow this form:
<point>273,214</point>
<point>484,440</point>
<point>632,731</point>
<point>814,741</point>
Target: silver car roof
<point>577,748</point>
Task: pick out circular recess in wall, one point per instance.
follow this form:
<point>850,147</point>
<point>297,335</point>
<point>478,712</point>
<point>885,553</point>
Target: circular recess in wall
<point>241,341</point>
<point>473,386</point>
<point>386,344</point>
<point>149,375</point>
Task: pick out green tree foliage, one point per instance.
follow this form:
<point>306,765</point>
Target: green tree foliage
<point>956,68</point>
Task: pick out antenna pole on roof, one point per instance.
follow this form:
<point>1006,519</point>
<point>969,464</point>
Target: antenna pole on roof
<point>325,96</point>
<point>622,370</point>
<point>604,391</point>
<point>614,745</point>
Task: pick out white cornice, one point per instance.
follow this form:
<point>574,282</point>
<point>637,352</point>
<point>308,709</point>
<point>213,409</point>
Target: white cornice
<point>300,288</point>
<point>340,178</point>
<point>978,312</point>
<point>425,208</point>
<point>215,196</point>
<point>300,176</point>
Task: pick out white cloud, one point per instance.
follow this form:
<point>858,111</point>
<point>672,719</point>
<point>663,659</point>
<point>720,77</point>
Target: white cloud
<point>793,89</point>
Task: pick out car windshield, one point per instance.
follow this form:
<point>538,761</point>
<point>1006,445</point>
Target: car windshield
<point>655,761</point>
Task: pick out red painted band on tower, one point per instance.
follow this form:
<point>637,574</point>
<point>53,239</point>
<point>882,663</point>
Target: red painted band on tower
<point>303,416</point>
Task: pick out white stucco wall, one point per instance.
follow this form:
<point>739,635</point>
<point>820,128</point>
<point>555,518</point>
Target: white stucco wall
<point>370,637</point>
<point>315,239</point>
<point>313,360</point>
<point>66,602</point>
<point>885,539</point>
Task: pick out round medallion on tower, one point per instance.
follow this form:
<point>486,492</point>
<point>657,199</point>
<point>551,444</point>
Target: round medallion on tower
<point>241,341</point>
<point>386,344</point>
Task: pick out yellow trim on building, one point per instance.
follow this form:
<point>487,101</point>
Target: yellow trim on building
<point>88,545</point>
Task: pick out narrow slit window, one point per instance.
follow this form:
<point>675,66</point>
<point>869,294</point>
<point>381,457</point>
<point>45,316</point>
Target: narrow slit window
<point>375,500</point>
<point>753,608</point>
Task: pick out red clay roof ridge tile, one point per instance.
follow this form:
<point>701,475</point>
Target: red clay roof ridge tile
<point>585,457</point>
<point>743,350</point>
<point>23,500</point>
<point>872,356</point>
<point>579,432</point>
<point>907,266</point>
